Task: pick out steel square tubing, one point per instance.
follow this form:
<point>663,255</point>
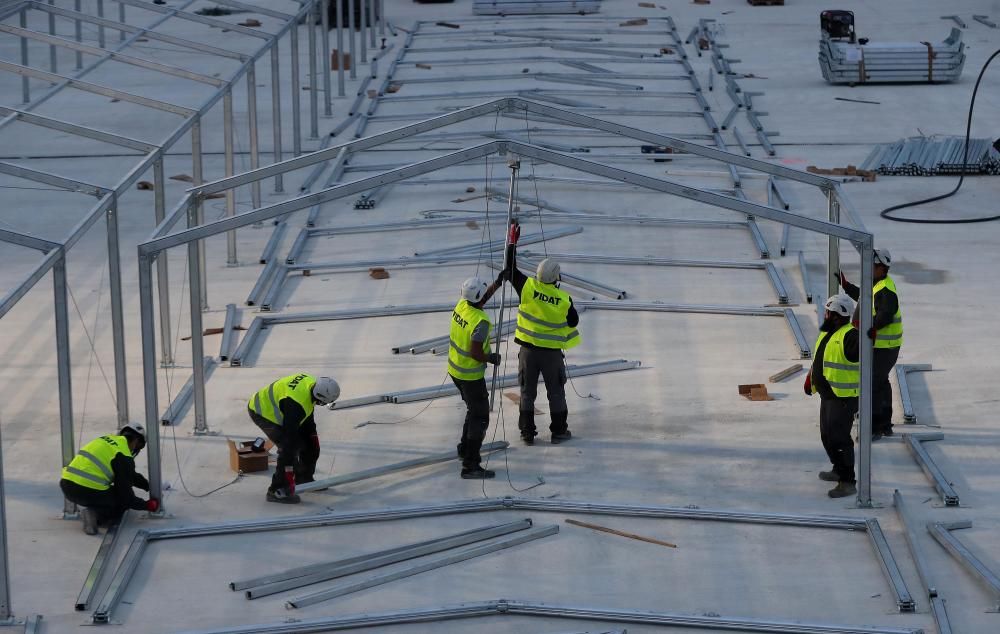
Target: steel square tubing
<point>881,547</point>
<point>253,8</point>
<point>278,582</point>
<point>30,242</point>
<point>904,388</point>
<point>193,17</point>
<point>184,395</point>
<point>432,564</point>
<point>805,277</point>
<point>77,130</point>
<point>100,561</point>
<point>386,558</point>
<point>253,331</point>
<point>941,532</point>
<point>227,332</point>
<point>263,282</point>
<point>123,575</point>
<point>525,240</point>
<point>936,601</point>
<point>55,180</point>
<point>930,468</point>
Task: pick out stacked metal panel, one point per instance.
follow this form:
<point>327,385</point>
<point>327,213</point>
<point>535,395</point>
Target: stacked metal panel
<point>922,156</point>
<point>523,7</point>
<point>892,62</point>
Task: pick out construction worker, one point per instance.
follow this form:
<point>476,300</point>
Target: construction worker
<point>101,476</point>
<point>468,354</point>
<point>887,333</point>
<point>284,412</point>
<point>546,325</point>
<point>836,374</point>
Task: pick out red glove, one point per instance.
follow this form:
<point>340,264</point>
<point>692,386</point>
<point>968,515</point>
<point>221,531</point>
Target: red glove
<point>513,233</point>
<point>871,333</point>
<point>290,480</point>
<point>807,387</point>
<point>152,505</point>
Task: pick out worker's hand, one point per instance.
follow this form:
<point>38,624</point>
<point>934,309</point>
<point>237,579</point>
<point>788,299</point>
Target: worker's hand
<point>140,481</point>
<point>514,233</point>
<point>152,505</point>
<point>497,283</point>
<point>494,358</point>
<point>841,279</point>
<point>807,387</point>
<point>871,333</point>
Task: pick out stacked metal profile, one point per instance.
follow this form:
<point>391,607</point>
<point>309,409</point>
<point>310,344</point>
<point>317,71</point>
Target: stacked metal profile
<point>923,156</point>
<point>523,7</point>
<point>848,63</point>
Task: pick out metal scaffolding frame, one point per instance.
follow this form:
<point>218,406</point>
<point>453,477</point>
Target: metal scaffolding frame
<point>152,157</point>
<point>130,562</point>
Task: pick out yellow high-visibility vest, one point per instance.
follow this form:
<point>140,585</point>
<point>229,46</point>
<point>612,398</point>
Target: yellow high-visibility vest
<point>890,336</point>
<point>541,317</point>
<point>297,387</point>
<point>92,465</point>
<point>464,320</point>
<point>844,376</point>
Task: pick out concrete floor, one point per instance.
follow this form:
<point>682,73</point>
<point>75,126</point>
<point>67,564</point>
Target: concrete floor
<point>673,433</point>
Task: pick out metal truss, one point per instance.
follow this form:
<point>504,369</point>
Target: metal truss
<point>132,558</point>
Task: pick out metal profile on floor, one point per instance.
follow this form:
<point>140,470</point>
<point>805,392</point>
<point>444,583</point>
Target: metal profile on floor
<point>100,564</point>
<point>915,444</point>
<point>176,408</point>
<point>902,372</point>
<point>937,603</point>
<point>942,534</point>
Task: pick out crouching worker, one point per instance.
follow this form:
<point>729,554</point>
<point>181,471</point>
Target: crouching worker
<point>284,412</point>
<point>101,476</point>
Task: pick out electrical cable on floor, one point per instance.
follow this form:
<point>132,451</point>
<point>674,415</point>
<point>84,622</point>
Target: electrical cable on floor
<point>405,420</point>
<point>968,130</point>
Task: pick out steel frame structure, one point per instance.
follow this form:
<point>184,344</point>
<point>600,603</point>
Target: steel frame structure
<point>942,534</point>
<point>152,158</point>
<point>130,561</point>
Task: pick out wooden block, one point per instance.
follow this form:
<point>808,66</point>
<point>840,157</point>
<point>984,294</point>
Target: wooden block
<point>250,22</point>
<point>333,60</point>
<point>647,5</point>
<point>515,397</point>
<point>755,392</point>
<point>472,224</point>
<point>145,185</point>
<point>635,22</point>
<point>393,87</point>
<point>182,177</point>
<point>702,1</point>
<point>378,273</point>
<point>424,66</point>
<point>214,196</point>
<point>372,94</point>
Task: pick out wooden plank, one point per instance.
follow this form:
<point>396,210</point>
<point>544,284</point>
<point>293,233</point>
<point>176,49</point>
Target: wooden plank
<point>605,529</point>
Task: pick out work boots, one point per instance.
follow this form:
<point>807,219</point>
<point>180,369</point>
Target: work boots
<point>829,476</point>
<point>843,489</point>
<point>478,473</point>
<point>282,496</point>
<point>89,517</point>
<point>559,428</point>
<point>526,423</point>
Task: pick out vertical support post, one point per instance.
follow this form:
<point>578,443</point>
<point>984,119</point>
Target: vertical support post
<point>362,32</point>
<point>351,4</point>
<point>121,18</point>
<point>514,164</point>
<point>197,339</point>
<point>833,257</point>
<point>313,92</point>
<point>162,276</point>
<point>198,178</point>
<point>5,613</point>
<point>865,393</point>
<point>227,124</point>
<point>325,58</point>
<point>65,379</point>
<point>339,7</point>
<point>117,318</point>
<point>78,32</point>
<point>296,94</point>
<point>371,25</point>
<point>148,330</point>
<point>100,28</point>
<point>254,141</point>
<point>53,60</point>
<point>279,184</point>
<point>381,20</point>
<point>25,87</point>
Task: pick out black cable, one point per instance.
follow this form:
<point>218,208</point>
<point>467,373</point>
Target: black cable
<point>968,129</point>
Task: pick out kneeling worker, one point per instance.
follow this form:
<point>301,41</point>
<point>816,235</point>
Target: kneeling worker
<point>468,354</point>
<point>284,412</point>
<point>101,476</point>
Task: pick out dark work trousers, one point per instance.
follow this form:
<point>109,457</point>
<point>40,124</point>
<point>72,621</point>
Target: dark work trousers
<point>477,419</point>
<point>885,359</point>
<point>297,448</point>
<point>109,508</point>
<point>836,417</point>
<point>549,363</point>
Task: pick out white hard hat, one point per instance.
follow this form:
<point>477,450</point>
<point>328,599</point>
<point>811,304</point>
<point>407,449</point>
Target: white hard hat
<point>840,304</point>
<point>136,428</point>
<point>548,271</point>
<point>326,390</point>
<point>882,256</point>
<point>473,290</point>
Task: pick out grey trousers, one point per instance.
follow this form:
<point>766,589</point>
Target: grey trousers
<point>549,363</point>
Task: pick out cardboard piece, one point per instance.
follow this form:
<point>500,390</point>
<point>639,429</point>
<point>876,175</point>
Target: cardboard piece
<point>333,60</point>
<point>243,458</point>
<point>755,392</point>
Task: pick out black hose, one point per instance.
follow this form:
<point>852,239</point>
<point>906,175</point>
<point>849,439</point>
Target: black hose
<point>968,129</point>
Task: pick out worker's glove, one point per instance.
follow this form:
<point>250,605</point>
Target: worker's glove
<point>290,480</point>
<point>514,233</point>
<point>871,333</point>
<point>807,387</point>
<point>494,358</point>
<point>841,279</point>
<point>497,283</point>
<point>140,481</point>
<point>152,505</point>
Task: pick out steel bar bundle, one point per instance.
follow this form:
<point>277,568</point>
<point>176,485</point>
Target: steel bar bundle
<point>939,156</point>
<point>883,62</point>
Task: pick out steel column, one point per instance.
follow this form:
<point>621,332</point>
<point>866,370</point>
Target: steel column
<point>198,177</point>
<point>381,21</point>
<point>53,59</point>
<point>78,33</point>
<point>5,613</point>
<point>833,257</point>
<point>867,357</point>
<point>350,35</point>
<point>117,318</point>
<point>254,142</point>
<point>100,29</point>
<point>296,93</point>
<point>227,123</point>
<point>338,7</point>
<point>121,18</point>
<point>371,27</point>
<point>197,338</point>
<point>362,32</point>
<point>65,383</point>
<point>162,270</point>
<point>279,184</point>
<point>313,93</point>
<point>25,88</point>
<point>325,58</point>
<point>148,328</point>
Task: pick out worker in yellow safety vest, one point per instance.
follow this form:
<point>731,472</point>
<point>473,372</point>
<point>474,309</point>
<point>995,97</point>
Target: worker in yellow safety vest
<point>283,410</point>
<point>836,375</point>
<point>546,326</point>
<point>468,354</point>
<point>101,476</point>
<point>887,333</point>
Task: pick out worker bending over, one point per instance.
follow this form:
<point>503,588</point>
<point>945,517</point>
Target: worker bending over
<point>836,375</point>
<point>546,325</point>
<point>284,412</point>
<point>101,476</point>
<point>468,354</point>
<point>887,333</point>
